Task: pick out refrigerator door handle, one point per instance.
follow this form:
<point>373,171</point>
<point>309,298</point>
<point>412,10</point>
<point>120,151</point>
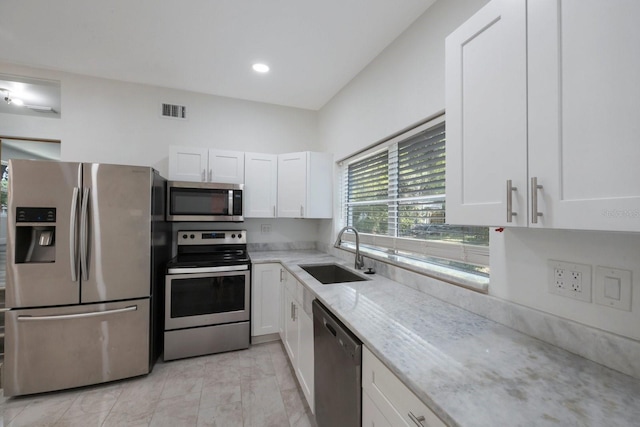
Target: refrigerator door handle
<point>72,235</point>
<point>84,234</point>
<point>76,316</point>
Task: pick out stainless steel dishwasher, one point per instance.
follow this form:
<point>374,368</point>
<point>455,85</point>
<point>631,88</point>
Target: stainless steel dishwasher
<point>338,371</point>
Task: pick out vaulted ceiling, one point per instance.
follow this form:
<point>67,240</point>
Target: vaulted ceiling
<point>314,48</point>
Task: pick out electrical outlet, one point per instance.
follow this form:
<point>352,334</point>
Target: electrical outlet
<point>570,280</point>
<point>265,228</point>
<point>558,279</point>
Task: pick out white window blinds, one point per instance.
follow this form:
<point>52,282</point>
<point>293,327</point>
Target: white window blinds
<point>395,196</point>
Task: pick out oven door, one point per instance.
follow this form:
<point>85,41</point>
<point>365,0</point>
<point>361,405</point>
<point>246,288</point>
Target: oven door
<point>201,299</point>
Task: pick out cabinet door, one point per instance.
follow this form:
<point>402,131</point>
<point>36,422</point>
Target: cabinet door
<point>261,185</point>
<point>292,185</point>
<point>319,200</point>
<point>265,301</point>
<point>584,100</point>
<point>486,104</point>
<point>290,328</point>
<point>282,303</point>
<point>371,415</point>
<point>304,370</point>
<point>226,166</point>
<point>188,163</point>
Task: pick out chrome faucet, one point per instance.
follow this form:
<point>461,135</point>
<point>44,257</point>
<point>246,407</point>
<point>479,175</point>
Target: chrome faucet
<point>359,264</point>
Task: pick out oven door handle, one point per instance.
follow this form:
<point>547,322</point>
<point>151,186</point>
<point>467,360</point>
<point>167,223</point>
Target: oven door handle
<point>220,269</point>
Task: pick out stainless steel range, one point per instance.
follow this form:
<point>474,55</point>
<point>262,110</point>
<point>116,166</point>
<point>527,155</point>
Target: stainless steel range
<point>207,294</point>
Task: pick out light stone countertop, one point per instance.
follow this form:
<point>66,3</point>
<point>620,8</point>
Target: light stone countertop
<point>469,370</point>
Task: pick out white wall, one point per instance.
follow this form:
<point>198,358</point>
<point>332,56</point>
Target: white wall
<point>404,85</point>
<point>116,122</point>
<point>400,87</point>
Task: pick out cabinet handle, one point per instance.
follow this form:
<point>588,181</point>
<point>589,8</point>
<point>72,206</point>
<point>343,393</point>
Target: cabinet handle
<point>274,211</point>
<point>510,190</point>
<point>210,175</point>
<point>295,312</point>
<point>204,175</point>
<point>534,200</point>
<point>419,421</point>
<point>291,309</point>
<point>281,275</point>
<point>301,211</point>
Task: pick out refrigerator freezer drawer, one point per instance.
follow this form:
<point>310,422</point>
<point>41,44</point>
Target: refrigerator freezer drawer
<point>64,347</point>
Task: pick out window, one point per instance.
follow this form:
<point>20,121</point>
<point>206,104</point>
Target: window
<point>394,195</point>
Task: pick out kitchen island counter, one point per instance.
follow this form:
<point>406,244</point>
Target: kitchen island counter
<point>469,370</point>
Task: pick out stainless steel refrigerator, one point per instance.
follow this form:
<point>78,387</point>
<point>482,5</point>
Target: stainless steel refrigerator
<point>85,251</point>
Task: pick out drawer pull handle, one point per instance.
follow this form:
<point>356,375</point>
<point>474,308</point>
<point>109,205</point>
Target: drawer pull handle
<point>76,315</point>
<point>418,420</point>
<point>510,190</point>
<point>534,200</point>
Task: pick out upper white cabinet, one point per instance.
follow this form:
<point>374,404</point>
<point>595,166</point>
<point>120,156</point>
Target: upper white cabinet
<point>486,97</point>
<point>188,163</point>
<point>206,165</point>
<point>552,110</point>
<point>261,185</point>
<point>305,185</point>
<point>226,166</point>
<point>584,101</point>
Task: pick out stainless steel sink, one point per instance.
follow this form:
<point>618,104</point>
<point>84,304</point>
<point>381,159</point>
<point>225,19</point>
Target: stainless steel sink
<point>331,273</point>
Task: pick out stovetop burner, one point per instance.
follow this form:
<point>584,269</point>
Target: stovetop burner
<point>200,250</point>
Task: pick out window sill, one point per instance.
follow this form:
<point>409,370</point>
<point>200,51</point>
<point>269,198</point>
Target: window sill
<point>475,282</point>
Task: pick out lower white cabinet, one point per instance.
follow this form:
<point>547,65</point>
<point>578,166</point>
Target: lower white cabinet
<point>371,415</point>
<point>298,333</point>
<point>305,371</point>
<point>265,299</point>
<point>386,398</point>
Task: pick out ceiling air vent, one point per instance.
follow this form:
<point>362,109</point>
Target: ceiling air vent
<point>174,111</point>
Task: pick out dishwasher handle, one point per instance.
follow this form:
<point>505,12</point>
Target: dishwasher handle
<point>330,328</point>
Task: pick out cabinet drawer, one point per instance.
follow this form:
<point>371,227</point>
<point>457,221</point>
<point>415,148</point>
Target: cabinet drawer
<point>392,398</point>
<point>76,346</point>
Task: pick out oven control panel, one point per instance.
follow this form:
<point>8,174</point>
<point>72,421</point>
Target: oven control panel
<point>209,237</point>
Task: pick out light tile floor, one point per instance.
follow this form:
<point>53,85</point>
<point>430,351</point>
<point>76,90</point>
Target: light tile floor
<point>247,388</point>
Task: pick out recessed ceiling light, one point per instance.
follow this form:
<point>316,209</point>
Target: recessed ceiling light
<point>260,68</point>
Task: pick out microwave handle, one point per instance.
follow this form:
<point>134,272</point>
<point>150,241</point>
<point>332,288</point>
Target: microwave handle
<point>230,205</point>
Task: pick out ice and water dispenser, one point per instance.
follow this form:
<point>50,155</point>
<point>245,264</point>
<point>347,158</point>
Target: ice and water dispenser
<point>35,235</point>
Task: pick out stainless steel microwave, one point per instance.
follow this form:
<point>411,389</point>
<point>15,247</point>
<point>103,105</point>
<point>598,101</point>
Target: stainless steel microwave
<point>204,201</point>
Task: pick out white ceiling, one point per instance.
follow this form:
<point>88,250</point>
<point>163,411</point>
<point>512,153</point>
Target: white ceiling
<point>314,47</point>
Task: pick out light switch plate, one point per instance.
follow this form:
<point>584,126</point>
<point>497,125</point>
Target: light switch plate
<point>612,288</point>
